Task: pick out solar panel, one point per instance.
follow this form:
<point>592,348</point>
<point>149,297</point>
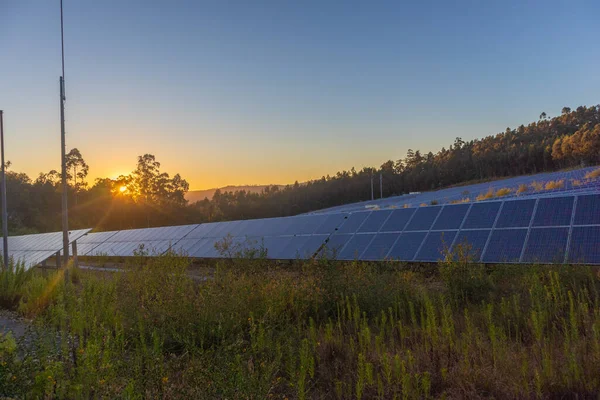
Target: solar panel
<point>451,217</point>
<point>356,246</point>
<point>435,245</point>
<point>482,215</point>
<point>153,241</point>
<point>471,243</point>
<point>585,245</point>
<point>374,221</point>
<point>588,210</point>
<point>546,245</point>
<point>334,245</point>
<point>301,247</point>
<point>398,220</point>
<point>516,213</point>
<point>33,249</point>
<point>380,246</point>
<point>353,222</point>
<point>505,245</point>
<point>274,246</point>
<point>423,219</point>
<point>330,224</point>
<point>554,211</point>
<point>407,245</point>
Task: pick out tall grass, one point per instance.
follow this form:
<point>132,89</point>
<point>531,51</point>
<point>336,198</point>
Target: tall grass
<point>317,329</point>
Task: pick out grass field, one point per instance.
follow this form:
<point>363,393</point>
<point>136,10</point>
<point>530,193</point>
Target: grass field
<point>309,330</point>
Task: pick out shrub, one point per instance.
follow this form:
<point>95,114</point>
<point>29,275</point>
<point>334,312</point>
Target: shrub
<point>522,188</point>
<point>12,280</point>
<point>466,282</point>
<point>537,186</point>
<point>39,292</point>
<point>484,196</point>
<point>434,202</point>
<point>593,174</point>
<point>551,185</point>
<point>464,200</point>
<point>503,192</point>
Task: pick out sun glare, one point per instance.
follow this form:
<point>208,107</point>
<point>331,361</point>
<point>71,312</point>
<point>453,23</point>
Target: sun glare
<point>123,189</point>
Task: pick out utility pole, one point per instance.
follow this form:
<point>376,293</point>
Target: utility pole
<point>372,195</point>
<point>63,161</point>
<point>381,184</point>
<point>3,187</point>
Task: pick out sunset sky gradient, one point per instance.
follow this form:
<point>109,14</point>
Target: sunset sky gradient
<point>241,92</point>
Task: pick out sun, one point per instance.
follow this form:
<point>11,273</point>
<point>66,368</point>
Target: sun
<point>122,189</point>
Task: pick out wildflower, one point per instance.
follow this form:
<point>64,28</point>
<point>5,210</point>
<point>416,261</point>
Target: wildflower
<point>14,378</point>
<point>165,379</point>
<point>102,381</point>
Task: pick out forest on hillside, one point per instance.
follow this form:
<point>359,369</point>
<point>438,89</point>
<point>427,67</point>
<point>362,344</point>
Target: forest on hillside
<point>150,197</point>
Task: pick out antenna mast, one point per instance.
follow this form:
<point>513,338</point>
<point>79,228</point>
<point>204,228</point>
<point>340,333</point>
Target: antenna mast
<point>63,161</point>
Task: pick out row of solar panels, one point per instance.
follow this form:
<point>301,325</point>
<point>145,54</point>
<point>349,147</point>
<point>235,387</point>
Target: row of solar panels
<point>33,249</point>
<point>546,229</point>
<point>281,238</point>
<point>446,196</point>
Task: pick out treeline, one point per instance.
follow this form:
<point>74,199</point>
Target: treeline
<point>569,140</point>
<point>150,197</point>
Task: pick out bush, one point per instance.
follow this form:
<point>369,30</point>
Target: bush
<point>466,281</point>
<point>552,185</point>
<point>593,174</point>
<point>485,196</point>
<point>537,186</point>
<point>522,188</point>
<point>503,192</point>
<point>12,280</point>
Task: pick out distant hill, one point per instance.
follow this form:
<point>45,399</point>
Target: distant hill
<point>197,195</point>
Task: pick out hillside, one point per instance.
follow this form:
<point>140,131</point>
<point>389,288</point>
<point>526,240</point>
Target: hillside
<point>197,195</point>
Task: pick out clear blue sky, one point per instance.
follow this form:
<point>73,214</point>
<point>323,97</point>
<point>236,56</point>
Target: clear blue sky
<point>243,92</point>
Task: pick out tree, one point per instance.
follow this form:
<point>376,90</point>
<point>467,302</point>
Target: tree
<point>151,186</point>
<point>77,171</point>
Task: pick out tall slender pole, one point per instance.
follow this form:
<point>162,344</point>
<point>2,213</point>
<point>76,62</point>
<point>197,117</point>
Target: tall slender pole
<point>4,208</point>
<point>63,161</point>
<point>381,184</point>
<point>372,194</point>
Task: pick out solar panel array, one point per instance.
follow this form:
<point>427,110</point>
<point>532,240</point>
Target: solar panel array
<point>550,226</point>
<point>557,229</point>
<point>33,249</point>
<point>566,182</point>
